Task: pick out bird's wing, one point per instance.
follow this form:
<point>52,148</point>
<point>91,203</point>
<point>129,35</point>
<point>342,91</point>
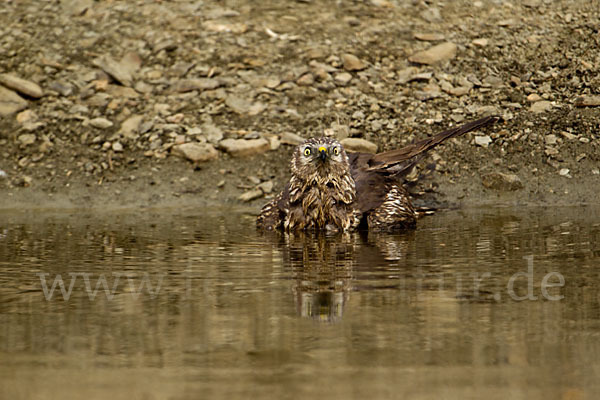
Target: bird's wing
<point>373,173</point>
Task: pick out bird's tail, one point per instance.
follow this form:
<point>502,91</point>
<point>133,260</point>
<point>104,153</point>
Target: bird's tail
<point>401,161</point>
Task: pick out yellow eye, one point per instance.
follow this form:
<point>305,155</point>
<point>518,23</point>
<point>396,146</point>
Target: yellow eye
<point>336,150</point>
<point>307,151</point>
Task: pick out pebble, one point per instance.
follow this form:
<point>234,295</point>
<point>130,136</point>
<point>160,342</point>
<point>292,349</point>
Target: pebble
<point>120,72</point>
<point>26,139</point>
<point>22,86</point>
<point>117,147</point>
<point>241,105</point>
<point>251,195</point>
<point>306,80</point>
<point>550,139</point>
<point>429,37</point>
<point>212,133</point>
<point>533,97</point>
<point>441,52</point>
<point>290,138</point>
<point>100,123</point>
<point>564,172</point>
<point>481,42</point>
<point>500,181</point>
<point>483,141</point>
<point>131,126</point>
<point>352,63</point>
<point>243,147</point>
<point>266,187</point>
<point>541,106</point>
<point>195,152</point>
<point>201,84</point>
<point>343,78</point>
<point>3,174</point>
<point>10,102</point>
<point>587,101</point>
<point>357,145</point>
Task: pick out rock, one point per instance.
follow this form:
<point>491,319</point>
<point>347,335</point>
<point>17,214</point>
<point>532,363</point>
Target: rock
<point>441,52</point>
<point>10,102</point>
<point>195,152</point>
<point>431,14</point>
<point>26,116</point>
<point>533,97</point>
<point>120,72</point>
<point>266,187</point>
<point>483,141</point>
<point>250,195</point>
<point>117,147</point>
<point>100,123</point>
<point>63,88</point>
<point>541,106</point>
<point>564,172</point>
<point>243,147</point>
<point>429,37</point>
<point>291,138</point>
<point>131,126</point>
<point>26,139</point>
<point>22,86</point>
<point>201,84</point>
<point>587,101</point>
<point>343,78</point>
<point>352,63</point>
<point>241,105</point>
<point>306,80</point>
<point>500,181</point>
<point>550,139</point>
<point>481,42</point>
<point>212,133</point>
<point>356,145</point>
<point>3,174</point>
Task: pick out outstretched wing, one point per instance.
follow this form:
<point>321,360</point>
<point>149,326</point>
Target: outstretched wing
<point>373,173</point>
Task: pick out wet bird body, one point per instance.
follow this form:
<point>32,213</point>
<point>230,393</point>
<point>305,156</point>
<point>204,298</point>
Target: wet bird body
<point>332,190</point>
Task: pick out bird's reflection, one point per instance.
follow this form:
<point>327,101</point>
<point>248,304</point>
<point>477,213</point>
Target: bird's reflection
<point>323,266</point>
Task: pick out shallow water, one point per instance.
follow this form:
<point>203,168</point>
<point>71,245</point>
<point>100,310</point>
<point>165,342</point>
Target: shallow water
<point>495,304</point>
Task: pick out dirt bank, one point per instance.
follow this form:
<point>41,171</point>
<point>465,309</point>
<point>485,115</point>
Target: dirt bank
<point>104,103</point>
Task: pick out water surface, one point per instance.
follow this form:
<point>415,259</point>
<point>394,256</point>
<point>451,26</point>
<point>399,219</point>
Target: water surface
<point>494,303</point>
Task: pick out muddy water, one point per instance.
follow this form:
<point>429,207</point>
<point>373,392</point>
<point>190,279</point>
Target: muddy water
<point>494,304</point>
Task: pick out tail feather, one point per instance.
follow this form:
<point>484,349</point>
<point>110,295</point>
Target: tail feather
<point>402,160</point>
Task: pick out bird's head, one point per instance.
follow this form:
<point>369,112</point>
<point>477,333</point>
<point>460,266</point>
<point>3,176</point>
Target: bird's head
<point>321,156</point>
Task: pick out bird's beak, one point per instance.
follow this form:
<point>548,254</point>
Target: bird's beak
<point>323,153</point>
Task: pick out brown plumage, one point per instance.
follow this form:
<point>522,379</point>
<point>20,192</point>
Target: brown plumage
<point>332,190</point>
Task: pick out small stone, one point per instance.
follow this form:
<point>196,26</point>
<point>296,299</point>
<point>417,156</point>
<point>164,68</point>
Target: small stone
<point>567,135</point>
<point>22,86</point>
<point>500,181</point>
<point>250,195</point>
<point>10,102</point>
<point>290,138</point>
<point>266,187</point>
<point>550,139</point>
<point>343,78</point>
<point>441,52</point>
<point>201,84</point>
<point>241,105</point>
<point>195,152</point>
<point>243,147</point>
<point>352,63</point>
<point>357,145</point>
<point>120,72</point>
<point>26,139</point>
<point>100,123</point>
<point>131,126</point>
<point>564,172</point>
<point>212,133</point>
<point>541,106</point>
<point>429,37</point>
<point>533,97</point>
<point>481,42</point>
<point>117,147</point>
<point>3,174</point>
<point>483,141</point>
<point>587,101</point>
<point>306,80</point>
<point>26,116</point>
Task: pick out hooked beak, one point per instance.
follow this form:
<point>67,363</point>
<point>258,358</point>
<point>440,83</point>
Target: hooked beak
<point>322,153</point>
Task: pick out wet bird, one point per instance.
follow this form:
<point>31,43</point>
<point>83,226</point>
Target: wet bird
<point>335,191</point>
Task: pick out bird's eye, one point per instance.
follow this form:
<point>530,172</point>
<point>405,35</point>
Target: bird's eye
<point>307,151</point>
<point>336,150</point>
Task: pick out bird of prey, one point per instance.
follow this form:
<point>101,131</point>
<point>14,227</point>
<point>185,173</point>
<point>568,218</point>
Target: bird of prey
<point>335,191</point>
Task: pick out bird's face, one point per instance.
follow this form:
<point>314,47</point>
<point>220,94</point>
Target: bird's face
<point>322,155</point>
